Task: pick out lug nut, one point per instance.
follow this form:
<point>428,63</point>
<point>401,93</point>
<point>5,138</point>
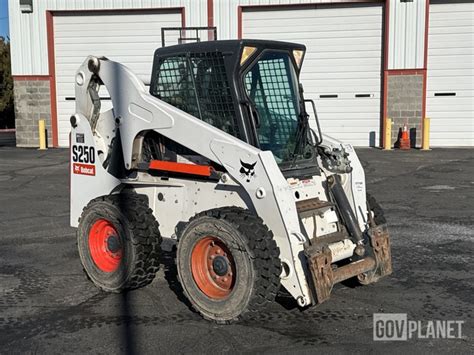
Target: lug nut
<point>359,250</point>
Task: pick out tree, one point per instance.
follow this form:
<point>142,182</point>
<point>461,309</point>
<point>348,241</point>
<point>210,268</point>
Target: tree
<point>7,117</point>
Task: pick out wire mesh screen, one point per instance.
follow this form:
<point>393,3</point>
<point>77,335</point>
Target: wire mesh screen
<point>197,84</point>
<point>269,85</point>
<point>175,85</point>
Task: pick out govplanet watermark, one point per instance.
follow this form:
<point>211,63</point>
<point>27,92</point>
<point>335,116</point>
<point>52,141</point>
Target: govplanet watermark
<point>397,327</point>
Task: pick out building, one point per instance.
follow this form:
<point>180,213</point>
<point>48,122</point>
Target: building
<point>366,60</point>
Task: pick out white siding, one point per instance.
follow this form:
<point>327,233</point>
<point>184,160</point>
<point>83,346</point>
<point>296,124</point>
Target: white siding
<point>451,72</point>
<point>225,13</point>
<point>406,34</point>
<point>343,58</point>
<point>406,29</point>
<point>127,37</point>
<point>28,31</point>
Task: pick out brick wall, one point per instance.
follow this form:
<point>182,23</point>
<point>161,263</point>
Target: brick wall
<point>32,102</point>
<point>404,105</point>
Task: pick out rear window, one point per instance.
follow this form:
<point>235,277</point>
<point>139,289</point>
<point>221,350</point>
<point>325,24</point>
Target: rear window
<point>197,84</point>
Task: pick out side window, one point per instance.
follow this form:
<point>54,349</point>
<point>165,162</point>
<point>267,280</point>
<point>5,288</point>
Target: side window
<point>174,84</point>
<point>270,85</point>
<point>214,92</point>
<point>198,85</point>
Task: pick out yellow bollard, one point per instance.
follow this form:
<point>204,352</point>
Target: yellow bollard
<point>42,134</point>
<point>388,134</point>
<point>426,134</point>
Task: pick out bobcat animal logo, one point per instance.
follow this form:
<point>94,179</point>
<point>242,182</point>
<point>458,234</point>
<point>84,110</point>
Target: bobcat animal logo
<point>247,170</point>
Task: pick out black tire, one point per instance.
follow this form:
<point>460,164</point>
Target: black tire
<point>378,213</point>
<point>138,237</point>
<point>254,255</point>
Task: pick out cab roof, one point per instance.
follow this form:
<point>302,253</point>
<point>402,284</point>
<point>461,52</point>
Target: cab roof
<point>226,46</point>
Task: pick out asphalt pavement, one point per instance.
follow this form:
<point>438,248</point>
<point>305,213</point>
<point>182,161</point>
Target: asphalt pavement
<point>48,306</point>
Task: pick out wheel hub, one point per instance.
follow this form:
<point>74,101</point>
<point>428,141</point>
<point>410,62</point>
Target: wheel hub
<point>113,244</point>
<point>220,265</point>
<point>213,268</point>
<point>105,246</point>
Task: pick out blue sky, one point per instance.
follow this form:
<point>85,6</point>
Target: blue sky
<point>4,18</point>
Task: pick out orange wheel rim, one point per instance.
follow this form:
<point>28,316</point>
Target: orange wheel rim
<point>213,268</point>
<point>105,246</point>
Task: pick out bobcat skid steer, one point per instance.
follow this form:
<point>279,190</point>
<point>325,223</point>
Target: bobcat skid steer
<point>220,154</point>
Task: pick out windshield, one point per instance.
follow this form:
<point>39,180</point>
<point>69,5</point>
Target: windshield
<point>272,85</point>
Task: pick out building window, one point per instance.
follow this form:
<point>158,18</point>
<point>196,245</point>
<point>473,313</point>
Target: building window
<point>26,6</point>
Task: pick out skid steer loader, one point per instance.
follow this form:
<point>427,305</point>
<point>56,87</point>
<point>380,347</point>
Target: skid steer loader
<point>222,155</point>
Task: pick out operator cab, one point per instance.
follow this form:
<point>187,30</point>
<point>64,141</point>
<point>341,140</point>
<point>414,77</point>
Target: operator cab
<point>247,88</point>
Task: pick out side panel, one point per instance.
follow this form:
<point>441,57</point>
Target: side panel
<point>88,178</point>
<point>177,200</point>
<point>353,183</point>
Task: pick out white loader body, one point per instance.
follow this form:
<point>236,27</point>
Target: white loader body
<point>175,200</point>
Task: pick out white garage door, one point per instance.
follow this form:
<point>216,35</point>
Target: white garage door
<point>343,63</point>
<point>450,89</point>
<point>129,38</point>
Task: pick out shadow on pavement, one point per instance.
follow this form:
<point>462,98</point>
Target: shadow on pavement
<point>171,276</point>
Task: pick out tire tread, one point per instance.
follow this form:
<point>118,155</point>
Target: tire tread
<point>145,234</point>
<point>263,251</point>
<point>379,215</point>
